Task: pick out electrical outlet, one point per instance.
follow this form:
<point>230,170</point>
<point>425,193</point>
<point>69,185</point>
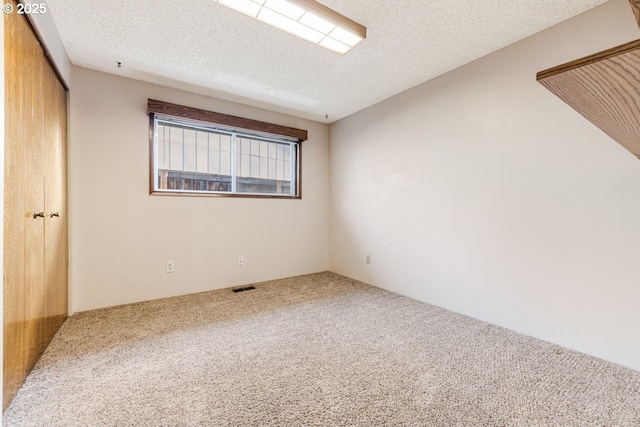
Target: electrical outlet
<point>240,261</point>
<point>368,259</point>
<point>170,267</point>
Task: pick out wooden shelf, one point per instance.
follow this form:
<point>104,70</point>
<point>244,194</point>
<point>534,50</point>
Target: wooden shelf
<point>605,89</point>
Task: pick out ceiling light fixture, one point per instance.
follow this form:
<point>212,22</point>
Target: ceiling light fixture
<point>306,19</point>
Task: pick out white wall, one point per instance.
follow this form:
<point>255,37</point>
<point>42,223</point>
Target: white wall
<point>483,193</point>
<point>121,237</point>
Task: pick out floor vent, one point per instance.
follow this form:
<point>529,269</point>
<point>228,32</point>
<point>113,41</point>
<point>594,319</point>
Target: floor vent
<point>246,288</point>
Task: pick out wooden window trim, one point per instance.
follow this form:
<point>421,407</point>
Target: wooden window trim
<point>175,110</point>
<point>168,109</point>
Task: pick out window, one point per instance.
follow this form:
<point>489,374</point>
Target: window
<point>191,156</point>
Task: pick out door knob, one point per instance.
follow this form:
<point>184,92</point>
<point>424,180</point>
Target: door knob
<point>38,214</point>
<point>52,214</point>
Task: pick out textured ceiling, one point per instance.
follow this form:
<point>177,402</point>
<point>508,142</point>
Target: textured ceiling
<point>203,47</point>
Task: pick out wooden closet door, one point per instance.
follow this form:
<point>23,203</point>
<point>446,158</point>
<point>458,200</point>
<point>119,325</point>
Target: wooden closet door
<point>35,242</point>
<point>16,93</point>
<point>56,218</point>
<point>33,67</point>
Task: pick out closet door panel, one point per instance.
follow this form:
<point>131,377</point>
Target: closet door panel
<point>14,207</point>
<point>33,68</point>
<point>35,241</point>
<point>56,252</point>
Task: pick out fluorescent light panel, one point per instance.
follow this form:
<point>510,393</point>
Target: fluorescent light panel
<point>306,19</point>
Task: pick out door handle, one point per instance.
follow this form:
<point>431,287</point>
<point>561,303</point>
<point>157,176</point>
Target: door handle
<point>38,214</point>
<point>52,214</point>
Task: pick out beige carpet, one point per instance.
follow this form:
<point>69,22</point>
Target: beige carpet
<point>318,350</point>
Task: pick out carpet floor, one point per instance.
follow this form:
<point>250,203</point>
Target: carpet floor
<point>315,350</point>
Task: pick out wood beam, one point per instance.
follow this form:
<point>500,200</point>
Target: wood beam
<point>635,7</point>
<point>605,89</point>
